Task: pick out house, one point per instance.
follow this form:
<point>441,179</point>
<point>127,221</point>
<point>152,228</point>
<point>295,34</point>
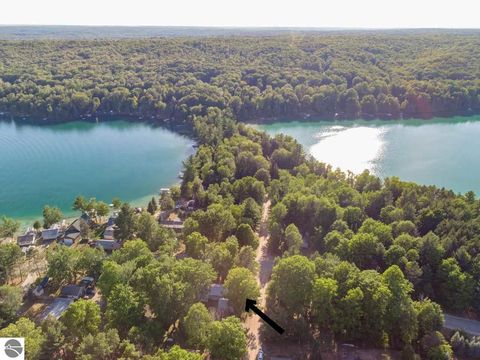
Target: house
<point>87,218</point>
<point>107,245</point>
<point>51,234</point>
<point>73,232</point>
<point>109,233</point>
<point>215,293</point>
<point>224,308</point>
<point>27,239</point>
<point>72,292</point>
<point>56,308</point>
<point>164,191</point>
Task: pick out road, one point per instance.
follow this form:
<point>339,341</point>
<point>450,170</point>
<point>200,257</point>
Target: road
<point>471,327</point>
<point>265,262</point>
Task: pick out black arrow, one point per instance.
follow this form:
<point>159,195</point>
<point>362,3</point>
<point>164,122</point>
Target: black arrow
<point>250,304</point>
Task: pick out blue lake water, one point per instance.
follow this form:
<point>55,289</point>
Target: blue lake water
<point>42,165</point>
<point>443,152</point>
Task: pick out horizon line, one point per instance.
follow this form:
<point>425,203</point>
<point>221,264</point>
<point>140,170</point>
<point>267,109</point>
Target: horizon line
<point>275,27</point>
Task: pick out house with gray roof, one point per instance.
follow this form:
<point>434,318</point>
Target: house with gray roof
<point>27,239</point>
<point>51,234</point>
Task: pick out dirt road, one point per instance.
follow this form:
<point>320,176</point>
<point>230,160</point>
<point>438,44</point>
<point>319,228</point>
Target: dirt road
<point>265,262</point>
<point>471,327</point>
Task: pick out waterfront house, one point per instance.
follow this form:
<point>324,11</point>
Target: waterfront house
<point>73,232</point>
<point>27,239</point>
<point>51,234</point>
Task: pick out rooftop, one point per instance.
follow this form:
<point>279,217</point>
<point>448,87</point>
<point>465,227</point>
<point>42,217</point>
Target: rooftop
<point>27,239</point>
<point>50,234</point>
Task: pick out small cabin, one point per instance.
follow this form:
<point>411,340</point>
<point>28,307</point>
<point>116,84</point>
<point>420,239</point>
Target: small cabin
<point>51,234</point>
<point>27,239</point>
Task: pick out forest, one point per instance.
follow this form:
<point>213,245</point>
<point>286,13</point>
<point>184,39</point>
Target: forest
<point>254,78</point>
<point>357,259</point>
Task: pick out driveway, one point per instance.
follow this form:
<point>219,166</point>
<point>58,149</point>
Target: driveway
<point>471,327</point>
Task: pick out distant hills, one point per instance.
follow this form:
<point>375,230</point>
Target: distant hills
<point>17,32</point>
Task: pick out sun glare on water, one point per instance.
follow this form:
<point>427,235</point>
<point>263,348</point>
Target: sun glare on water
<point>354,149</point>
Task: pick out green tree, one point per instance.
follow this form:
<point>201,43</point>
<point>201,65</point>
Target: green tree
<point>246,236</point>
<point>430,316</point>
<point>293,240</point>
<point>80,204</point>
<point>175,353</point>
<point>215,223</point>
<point>251,213</point>
<point>62,264</point>
<point>124,308</point>
<point>10,254</point>
<point>8,227</point>
<point>37,225</point>
<point>350,313</point>
<point>82,318</point>
<point>54,339</point>
<point>34,338</point>
<point>221,258</point>
<point>240,284</point>
<point>113,274</point>
<point>292,283</point>
<point>103,345</point>
<point>227,339</point>
<point>126,222</point>
<point>133,250</point>
<point>455,287</point>
<point>10,302</point>
<point>196,325</point>
<point>195,245</point>
<point>401,317</point>
<point>102,209</point>
<point>117,203</point>
<point>366,251</point>
<point>246,259</point>
<point>89,261</point>
<point>51,215</point>
<point>324,295</point>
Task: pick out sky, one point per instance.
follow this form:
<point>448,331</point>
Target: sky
<point>251,13</point>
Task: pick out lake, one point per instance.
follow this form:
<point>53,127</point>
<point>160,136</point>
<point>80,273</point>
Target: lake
<point>443,152</point>
<point>52,164</point>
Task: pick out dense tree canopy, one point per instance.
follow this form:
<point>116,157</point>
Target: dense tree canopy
<point>339,75</point>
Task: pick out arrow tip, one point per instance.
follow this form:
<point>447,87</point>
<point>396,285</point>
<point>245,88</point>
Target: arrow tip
<point>249,303</point>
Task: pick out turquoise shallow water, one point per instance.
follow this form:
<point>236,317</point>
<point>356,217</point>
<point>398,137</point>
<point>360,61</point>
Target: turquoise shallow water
<point>53,164</point>
<point>443,152</point>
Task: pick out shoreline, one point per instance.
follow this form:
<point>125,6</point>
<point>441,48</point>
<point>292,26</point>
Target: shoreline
<point>70,216</point>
